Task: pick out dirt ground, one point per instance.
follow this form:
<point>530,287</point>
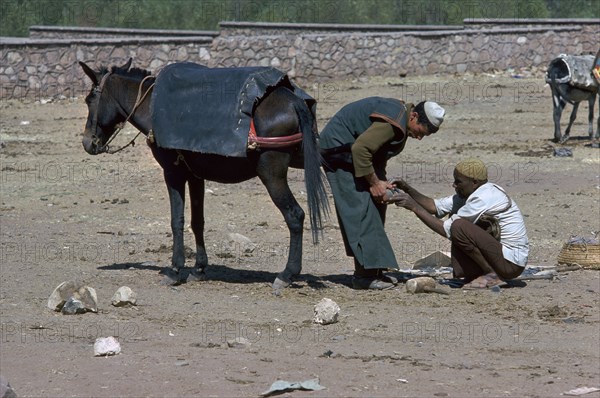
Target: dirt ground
<point>105,220</point>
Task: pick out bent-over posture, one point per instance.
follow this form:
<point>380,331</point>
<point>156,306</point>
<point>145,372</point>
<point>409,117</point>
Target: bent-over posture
<point>356,145</point>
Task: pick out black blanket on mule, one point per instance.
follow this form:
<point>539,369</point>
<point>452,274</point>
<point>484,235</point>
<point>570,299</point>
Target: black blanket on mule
<point>209,110</point>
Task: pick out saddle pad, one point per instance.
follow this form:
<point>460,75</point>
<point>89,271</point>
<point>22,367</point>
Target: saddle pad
<point>209,110</point>
<point>575,70</point>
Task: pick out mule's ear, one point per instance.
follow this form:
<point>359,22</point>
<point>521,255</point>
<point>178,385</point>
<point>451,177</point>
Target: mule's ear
<point>89,72</point>
<point>127,65</point>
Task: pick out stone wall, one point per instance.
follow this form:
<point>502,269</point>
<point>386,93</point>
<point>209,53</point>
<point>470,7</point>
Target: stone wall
<point>42,68</point>
<point>484,46</point>
<point>45,64</point>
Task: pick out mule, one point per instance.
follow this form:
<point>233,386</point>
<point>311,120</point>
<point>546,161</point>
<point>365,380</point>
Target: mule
<point>121,94</point>
<point>563,93</point>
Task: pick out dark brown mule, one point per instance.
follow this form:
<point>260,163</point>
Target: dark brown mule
<point>115,98</point>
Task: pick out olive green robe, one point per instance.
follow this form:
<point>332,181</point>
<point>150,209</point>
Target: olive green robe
<point>361,219</point>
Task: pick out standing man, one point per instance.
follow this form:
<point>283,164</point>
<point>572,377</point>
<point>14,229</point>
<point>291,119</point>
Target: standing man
<point>480,258</point>
<point>356,145</point>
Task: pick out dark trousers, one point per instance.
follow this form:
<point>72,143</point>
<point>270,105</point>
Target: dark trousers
<point>475,253</point>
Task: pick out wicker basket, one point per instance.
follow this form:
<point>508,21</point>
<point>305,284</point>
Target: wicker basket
<point>585,254</point>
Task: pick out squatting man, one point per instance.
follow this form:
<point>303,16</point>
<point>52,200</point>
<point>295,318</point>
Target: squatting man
<point>478,257</point>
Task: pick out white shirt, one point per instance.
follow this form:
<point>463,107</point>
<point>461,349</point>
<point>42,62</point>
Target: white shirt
<point>490,199</point>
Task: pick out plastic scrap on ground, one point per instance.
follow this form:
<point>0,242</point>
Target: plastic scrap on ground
<point>281,386</point>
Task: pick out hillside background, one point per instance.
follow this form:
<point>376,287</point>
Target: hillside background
<point>17,15</point>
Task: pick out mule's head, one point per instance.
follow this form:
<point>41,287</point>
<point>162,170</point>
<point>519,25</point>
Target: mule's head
<point>104,113</point>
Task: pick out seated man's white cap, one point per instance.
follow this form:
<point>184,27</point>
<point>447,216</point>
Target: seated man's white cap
<point>434,112</point>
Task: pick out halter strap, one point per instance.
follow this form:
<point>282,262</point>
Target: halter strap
<point>98,89</point>
<point>140,98</point>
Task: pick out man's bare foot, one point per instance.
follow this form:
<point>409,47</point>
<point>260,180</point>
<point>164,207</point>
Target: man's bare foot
<point>483,282</point>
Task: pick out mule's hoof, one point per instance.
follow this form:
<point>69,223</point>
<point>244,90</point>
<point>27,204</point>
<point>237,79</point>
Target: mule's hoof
<point>171,277</point>
<point>196,276</point>
<point>280,284</point>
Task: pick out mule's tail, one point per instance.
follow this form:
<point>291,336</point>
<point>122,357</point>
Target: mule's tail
<point>552,74</point>
<point>318,205</point>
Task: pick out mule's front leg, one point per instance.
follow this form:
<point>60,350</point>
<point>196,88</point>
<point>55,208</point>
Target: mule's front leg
<point>272,171</point>
<point>176,188</point>
<point>196,186</point>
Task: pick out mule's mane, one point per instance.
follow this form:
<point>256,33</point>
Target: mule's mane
<point>133,72</point>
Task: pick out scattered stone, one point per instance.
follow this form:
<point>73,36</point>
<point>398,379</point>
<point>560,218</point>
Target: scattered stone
<point>6,391</point>
<point>326,311</point>
<point>60,295</point>
<point>124,296</point>
<point>73,307</point>
<point>106,346</point>
<point>243,242</point>
<point>581,391</point>
<point>238,342</point>
<point>71,289</point>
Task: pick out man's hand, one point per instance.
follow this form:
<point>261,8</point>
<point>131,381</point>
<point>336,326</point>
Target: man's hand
<point>403,199</point>
<point>377,187</point>
<point>399,183</point>
<point>378,190</point>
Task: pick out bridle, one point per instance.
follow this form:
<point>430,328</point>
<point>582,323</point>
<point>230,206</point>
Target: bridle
<point>140,98</point>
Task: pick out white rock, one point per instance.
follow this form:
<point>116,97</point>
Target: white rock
<point>60,295</point>
<point>244,243</point>
<point>124,296</point>
<point>75,290</point>
<point>326,311</point>
<point>106,346</point>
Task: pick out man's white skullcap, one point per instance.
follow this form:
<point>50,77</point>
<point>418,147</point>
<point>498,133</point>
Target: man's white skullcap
<point>434,112</point>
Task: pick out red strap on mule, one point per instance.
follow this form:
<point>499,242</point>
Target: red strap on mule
<point>255,142</point>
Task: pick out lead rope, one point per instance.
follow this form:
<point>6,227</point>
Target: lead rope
<point>180,159</point>
<point>140,98</point>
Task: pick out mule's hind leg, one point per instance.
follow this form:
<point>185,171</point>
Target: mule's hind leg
<point>591,104</point>
<point>272,171</point>
<point>571,120</point>
<point>558,107</point>
<point>176,188</point>
<point>196,187</point>
<point>598,120</point>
